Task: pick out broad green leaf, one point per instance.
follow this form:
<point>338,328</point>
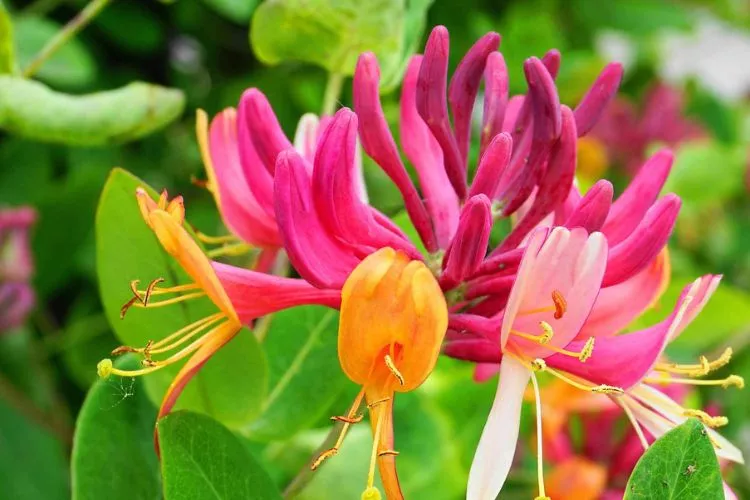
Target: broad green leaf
<point>202,459</point>
<point>707,172</point>
<point>681,465</point>
<point>305,375</point>
<point>394,66</point>
<point>233,383</point>
<point>113,451</point>
<point>328,33</point>
<point>33,460</point>
<point>635,17</point>
<point>72,66</point>
<point>133,26</point>
<point>238,11</point>
<point>7,51</point>
<point>30,109</point>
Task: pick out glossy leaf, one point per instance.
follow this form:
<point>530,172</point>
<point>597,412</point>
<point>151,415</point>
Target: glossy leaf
<point>304,372</point>
<point>7,51</point>
<point>30,109</point>
<point>113,452</point>
<point>72,66</point>
<point>328,33</point>
<point>238,11</point>
<point>202,459</point>
<point>233,383</point>
<point>681,465</point>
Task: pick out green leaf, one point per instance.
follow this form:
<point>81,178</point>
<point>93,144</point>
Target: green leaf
<point>30,109</point>
<point>635,17</point>
<point>238,11</point>
<point>394,66</point>
<point>121,21</point>
<point>329,33</point>
<point>7,51</point>
<point>70,67</point>
<point>34,464</point>
<point>113,451</point>
<point>305,375</point>
<point>233,383</point>
<point>202,459</point>
<point>681,465</point>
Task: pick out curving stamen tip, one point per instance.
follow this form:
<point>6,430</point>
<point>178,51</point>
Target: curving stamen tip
<point>734,380</point>
<point>371,493</point>
<point>104,368</point>
<point>123,349</point>
<point>323,456</point>
<point>607,389</point>
<point>392,367</point>
<point>588,350</point>
<point>561,305</point>
<point>706,419</point>
<point>548,332</point>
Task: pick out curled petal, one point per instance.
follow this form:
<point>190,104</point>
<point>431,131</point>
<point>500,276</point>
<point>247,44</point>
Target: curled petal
<point>602,91</point>
<point>470,243</point>
<point>635,252</point>
<point>495,98</point>
<point>591,210</point>
<point>266,133</point>
<point>432,106</point>
<point>551,61</point>
<point>492,165</point>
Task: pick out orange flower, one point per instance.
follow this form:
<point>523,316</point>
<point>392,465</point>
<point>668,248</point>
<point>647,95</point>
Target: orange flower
<point>393,319</point>
<point>577,479</point>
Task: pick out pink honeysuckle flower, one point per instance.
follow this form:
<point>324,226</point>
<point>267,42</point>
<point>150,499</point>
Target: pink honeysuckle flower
<point>17,297</point>
<point>542,328</point>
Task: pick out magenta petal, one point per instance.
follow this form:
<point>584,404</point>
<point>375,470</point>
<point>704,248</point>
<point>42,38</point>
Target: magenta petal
<point>240,210</point>
<point>473,349</point>
<point>633,203</point>
<point>642,245</point>
<point>598,96</point>
<point>470,243</point>
<point>485,371</point>
<point>495,98</point>
<point>424,152</point>
<point>255,294</point>
<point>268,137</point>
<point>492,165</point>
<point>551,61</point>
<point>462,91</point>
<point>624,360</point>
<point>259,179</point>
<point>591,210</point>
<point>323,260</point>
<point>432,106</point>
<point>378,142</point>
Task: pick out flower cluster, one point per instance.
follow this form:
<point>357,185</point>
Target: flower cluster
<point>553,297</point>
<point>16,266</point>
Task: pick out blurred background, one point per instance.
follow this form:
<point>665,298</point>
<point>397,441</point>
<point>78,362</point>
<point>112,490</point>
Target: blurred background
<point>687,85</point>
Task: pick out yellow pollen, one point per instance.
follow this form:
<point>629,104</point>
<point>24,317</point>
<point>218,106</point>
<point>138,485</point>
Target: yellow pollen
<point>561,305</point>
<point>543,340</point>
<point>707,419</point>
<point>392,367</point>
<point>704,366</point>
<point>607,389</point>
<point>548,332</point>
<point>371,493</point>
<point>665,379</point>
<point>538,365</point>
<point>588,350</point>
<point>104,368</point>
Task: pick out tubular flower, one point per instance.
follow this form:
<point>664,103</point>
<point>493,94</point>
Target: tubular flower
<point>17,297</point>
<point>542,330</point>
<point>223,285</point>
<point>393,318</point>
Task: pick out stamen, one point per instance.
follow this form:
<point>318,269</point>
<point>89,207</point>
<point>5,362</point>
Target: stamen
<point>392,367</point>
<point>543,340</point>
<point>607,389</point>
<point>186,334</point>
<point>149,289</point>
<point>347,420</point>
<point>384,453</point>
<point>216,240</point>
<point>707,419</point>
<point>704,367</point>
<point>732,380</point>
<point>548,332</point>
<point>633,421</point>
<point>588,350</point>
<point>378,402</point>
<point>232,250</point>
<point>539,365</point>
<point>374,455</point>
<point>539,451</point>
<point>561,305</point>
<point>174,300</point>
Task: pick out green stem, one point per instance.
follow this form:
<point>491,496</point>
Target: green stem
<point>41,7</point>
<point>305,474</point>
<point>332,93</point>
<point>66,33</point>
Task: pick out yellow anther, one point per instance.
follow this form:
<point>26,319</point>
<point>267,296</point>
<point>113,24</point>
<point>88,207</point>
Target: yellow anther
<point>392,367</point>
<point>149,290</point>
<point>733,380</point>
<point>371,493</point>
<point>387,453</point>
<point>538,365</point>
<point>707,419</point>
<point>587,351</point>
<point>607,389</point>
<point>548,332</point>
<point>104,368</point>
<point>378,402</point>
<point>722,360</point>
<point>561,305</point>
<point>323,456</point>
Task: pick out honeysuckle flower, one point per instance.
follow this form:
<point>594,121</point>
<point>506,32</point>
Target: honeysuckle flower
<point>240,296</point>
<point>542,329</point>
<point>393,319</point>
<point>17,297</point>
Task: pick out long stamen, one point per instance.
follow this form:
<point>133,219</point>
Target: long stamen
<point>187,334</point>
<point>540,365</point>
<point>704,367</point>
<point>732,380</point>
<point>173,300</point>
<point>350,418</point>
<point>539,451</point>
<point>216,240</point>
<point>633,422</point>
<point>543,340</point>
<point>175,289</point>
<point>392,367</point>
<point>370,491</point>
<point>232,250</point>
<point>707,419</point>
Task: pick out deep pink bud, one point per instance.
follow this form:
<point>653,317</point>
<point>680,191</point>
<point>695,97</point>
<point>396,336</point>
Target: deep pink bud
<point>598,96</point>
<point>462,91</point>
<point>644,243</point>
<point>551,61</point>
<point>492,166</point>
<point>477,350</point>
<point>628,210</point>
<point>469,246</point>
<point>490,285</point>
<point>378,142</point>
<point>258,177</point>
<point>592,209</point>
<point>495,98</point>
<point>266,133</point>
<point>432,106</point>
